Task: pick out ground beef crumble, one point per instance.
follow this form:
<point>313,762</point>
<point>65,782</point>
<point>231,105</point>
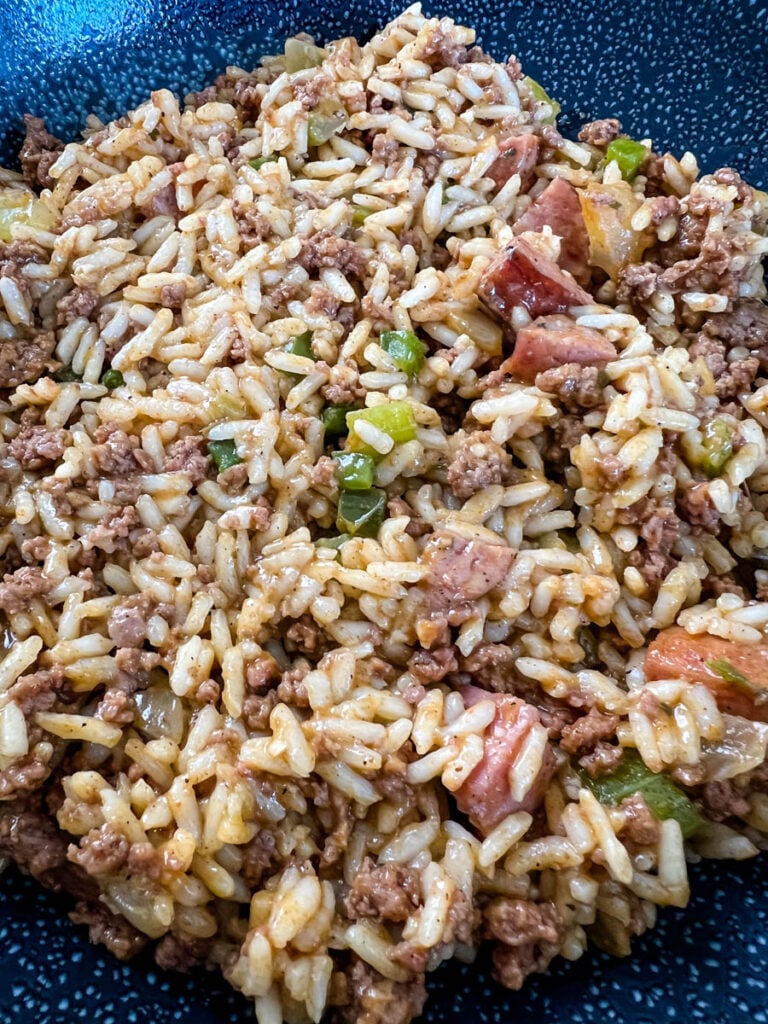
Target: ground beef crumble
<point>478,462</point>
<point>389,892</point>
<point>528,937</point>
<point>38,153</point>
<point>371,998</point>
<point>575,385</point>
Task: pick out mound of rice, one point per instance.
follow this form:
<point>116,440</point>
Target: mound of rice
<point>496,671</point>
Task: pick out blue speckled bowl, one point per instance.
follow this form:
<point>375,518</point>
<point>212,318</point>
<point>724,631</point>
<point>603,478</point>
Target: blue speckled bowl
<point>693,76</point>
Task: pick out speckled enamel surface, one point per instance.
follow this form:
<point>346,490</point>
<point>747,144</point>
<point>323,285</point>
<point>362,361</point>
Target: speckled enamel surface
<point>707,964</point>
<point>691,75</point>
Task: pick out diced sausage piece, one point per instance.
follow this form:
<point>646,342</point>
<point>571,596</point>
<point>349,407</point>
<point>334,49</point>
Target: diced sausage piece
<point>517,155</point>
<point>462,571</point>
<point>675,654</point>
<point>521,276</point>
<point>559,207</point>
<point>486,796</point>
<point>554,341</point>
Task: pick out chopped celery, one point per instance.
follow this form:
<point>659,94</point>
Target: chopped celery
<point>730,674</point>
<point>717,445</point>
<point>332,542</point>
<point>301,54</point>
<point>334,419</point>
<point>361,513</point>
<point>393,418</point>
<point>628,154</point>
<point>300,345</point>
<point>112,379</point>
<point>66,375</point>
<point>663,798</point>
<point>224,454</point>
<point>406,350</point>
<point>322,127</point>
<point>354,470</point>
<point>225,407</point>
<point>359,213</point>
<point>258,162</point>
<point>541,95</point>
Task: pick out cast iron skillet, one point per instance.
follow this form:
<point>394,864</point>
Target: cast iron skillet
<point>692,76</point>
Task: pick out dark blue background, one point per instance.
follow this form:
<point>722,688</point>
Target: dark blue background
<point>693,76</point>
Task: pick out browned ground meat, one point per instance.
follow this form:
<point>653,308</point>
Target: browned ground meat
<point>577,386</point>
<point>116,707</point>
<point>114,531</point>
<point>327,249</point>
<point>38,152</point>
<point>247,96</point>
<point>14,256</point>
<point>115,453</point>
<point>601,132</point>
<point>417,527</point>
<point>477,463</point>
<point>36,446</point>
<point>173,953</point>
<point>186,455</point>
<point>587,737</point>
<point>23,776</point>
<point>108,929</point>
<point>309,93</point>
<point>103,851</point>
<point>22,360</point>
<point>134,666</point>
<point>338,820</point>
<point>172,295</point>
<point>663,207</point>
<point>164,200</point>
<point>432,666</point>
<point>374,999</point>
<point>637,282</point>
<point>256,710</point>
<point>721,800</point>
<point>529,935</point>
<point>253,227</point>
<point>291,688</point>
<point>746,324</point>
<point>31,838</point>
<point>304,635</point>
<point>262,674</point>
<point>21,587</point>
<point>492,667</point>
<point>76,303</point>
<point>697,510</point>
<point>714,586</point>
<point>258,857</point>
<point>640,827</point>
<point>567,432</point>
<point>587,731</point>
<point>660,529</point>
<point>731,378</point>
<point>39,690</point>
<point>389,892</point>
<point>128,622</point>
<point>323,473</point>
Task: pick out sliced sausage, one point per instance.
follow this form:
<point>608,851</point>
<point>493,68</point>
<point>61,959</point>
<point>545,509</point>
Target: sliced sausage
<point>517,155</point>
<point>486,796</point>
<point>553,341</point>
<point>675,654</point>
<point>559,207</point>
<point>521,276</point>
